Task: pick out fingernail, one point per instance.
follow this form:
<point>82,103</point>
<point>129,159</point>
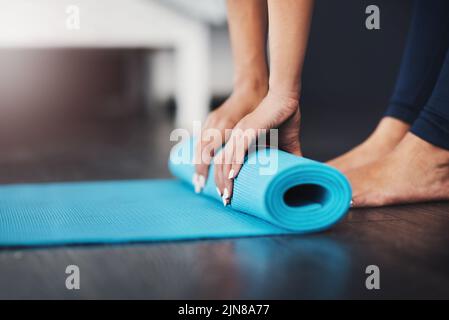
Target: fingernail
<point>225,202</point>
<point>225,197</point>
<point>231,174</point>
<point>351,204</point>
<point>226,193</point>
<point>201,181</point>
<point>218,191</point>
<point>196,183</point>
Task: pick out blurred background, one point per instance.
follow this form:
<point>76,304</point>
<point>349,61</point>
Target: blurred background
<point>92,89</point>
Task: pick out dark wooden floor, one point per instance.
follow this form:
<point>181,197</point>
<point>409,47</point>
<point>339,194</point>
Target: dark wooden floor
<point>410,244</point>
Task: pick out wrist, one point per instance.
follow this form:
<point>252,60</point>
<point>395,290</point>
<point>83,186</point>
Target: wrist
<point>251,83</point>
<point>246,95</point>
<point>285,90</point>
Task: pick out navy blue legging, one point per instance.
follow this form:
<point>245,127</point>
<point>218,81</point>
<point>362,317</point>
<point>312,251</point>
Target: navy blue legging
<point>421,94</point>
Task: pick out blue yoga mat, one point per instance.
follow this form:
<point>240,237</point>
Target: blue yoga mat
<point>287,195</point>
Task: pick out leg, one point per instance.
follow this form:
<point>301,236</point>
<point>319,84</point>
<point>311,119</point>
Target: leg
<point>423,56</point>
<point>418,168</point>
<point>432,124</point>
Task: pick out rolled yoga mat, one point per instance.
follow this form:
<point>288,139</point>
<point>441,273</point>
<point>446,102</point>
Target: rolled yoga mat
<point>275,193</point>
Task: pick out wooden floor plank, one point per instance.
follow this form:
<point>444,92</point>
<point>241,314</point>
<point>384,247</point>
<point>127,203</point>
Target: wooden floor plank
<point>408,243</point>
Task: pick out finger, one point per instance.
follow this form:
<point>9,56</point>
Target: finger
<point>218,176</point>
<point>228,174</point>
<point>236,167</point>
<point>201,168</point>
<point>240,151</point>
<point>290,138</point>
<point>219,161</point>
<point>228,184</point>
<point>210,142</point>
<point>294,148</point>
<point>235,152</point>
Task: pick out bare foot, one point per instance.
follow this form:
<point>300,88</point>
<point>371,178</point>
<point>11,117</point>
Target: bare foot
<point>384,139</point>
<point>415,171</point>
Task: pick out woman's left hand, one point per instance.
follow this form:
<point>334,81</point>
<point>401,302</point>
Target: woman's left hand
<point>276,111</point>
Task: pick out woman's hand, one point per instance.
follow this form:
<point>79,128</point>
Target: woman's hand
<point>276,111</point>
<point>288,24</point>
<point>221,121</point>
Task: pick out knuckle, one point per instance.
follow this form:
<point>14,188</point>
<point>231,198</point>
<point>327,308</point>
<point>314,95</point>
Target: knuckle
<point>212,116</point>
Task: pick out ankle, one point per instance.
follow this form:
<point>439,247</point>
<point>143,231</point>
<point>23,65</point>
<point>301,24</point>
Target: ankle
<point>389,132</point>
<point>421,149</point>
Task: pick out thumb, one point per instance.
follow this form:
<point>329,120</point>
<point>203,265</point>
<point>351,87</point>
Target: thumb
<point>294,148</point>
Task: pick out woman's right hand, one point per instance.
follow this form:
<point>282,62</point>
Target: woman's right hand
<point>218,125</point>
